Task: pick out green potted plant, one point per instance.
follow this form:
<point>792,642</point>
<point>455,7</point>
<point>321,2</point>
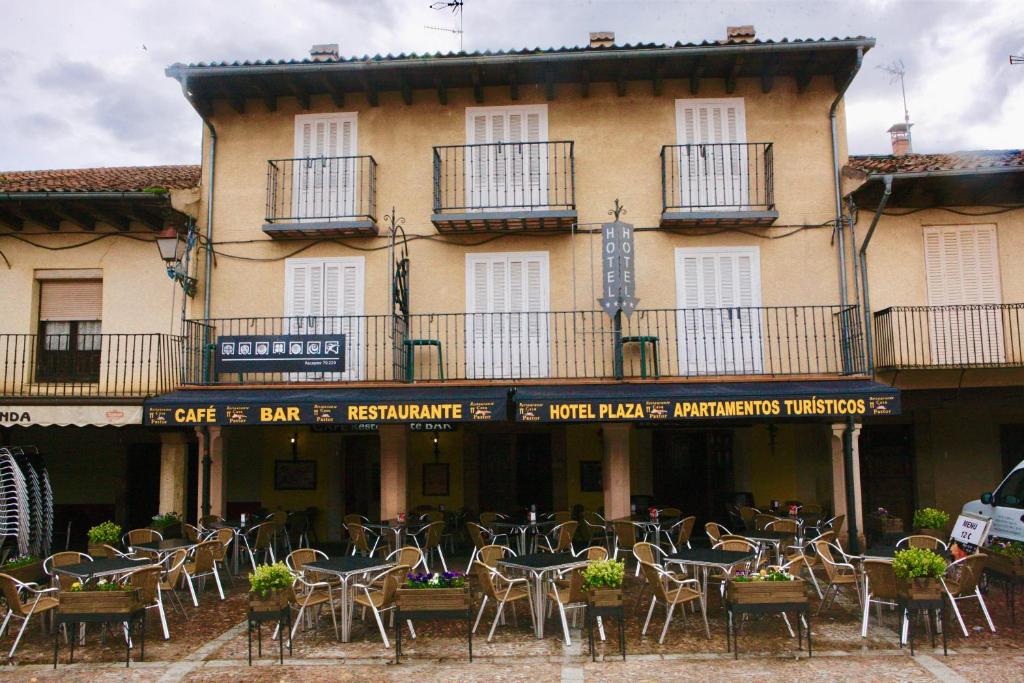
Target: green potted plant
<point>100,597</point>
<point>430,592</point>
<point>270,588</point>
<point>168,524</point>
<point>931,522</point>
<point>24,568</point>
<point>103,534</point>
<point>602,580</point>
<point>767,586</point>
<point>918,571</point>
<point>1005,558</point>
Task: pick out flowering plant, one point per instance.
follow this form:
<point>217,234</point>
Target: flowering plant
<point>101,585</point>
<point>769,574</point>
<point>1010,548</point>
<point>165,520</point>
<point>435,580</point>
<point>882,512</point>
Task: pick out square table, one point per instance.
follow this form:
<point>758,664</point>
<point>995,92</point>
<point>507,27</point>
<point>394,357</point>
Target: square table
<point>705,559</point>
<point>523,529</point>
<point>165,547</point>
<point>537,565</point>
<point>399,529</point>
<point>345,568</point>
<point>772,538</point>
<point>101,568</point>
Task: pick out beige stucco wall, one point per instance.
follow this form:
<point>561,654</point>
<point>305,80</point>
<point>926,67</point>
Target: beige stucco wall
<point>617,146</point>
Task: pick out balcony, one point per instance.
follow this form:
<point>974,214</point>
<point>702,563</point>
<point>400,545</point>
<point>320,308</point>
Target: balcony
<point>504,186</point>
<point>949,337</point>
<point>717,184</point>
<point>567,345</point>
<point>58,366</point>
<point>321,197</point>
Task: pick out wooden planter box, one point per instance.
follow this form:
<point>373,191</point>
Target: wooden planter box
<point>604,597</point>
<point>28,573</point>
<point>433,599</point>
<point>169,531</point>
<point>934,533</point>
<point>275,600</point>
<point>100,602</point>
<point>98,551</point>
<point>1007,565</point>
<point>766,592</point>
<point>919,589</point>
<point>885,525</point>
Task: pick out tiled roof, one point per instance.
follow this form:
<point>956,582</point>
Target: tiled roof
<point>954,161</point>
<point>522,52</point>
<point>109,179</point>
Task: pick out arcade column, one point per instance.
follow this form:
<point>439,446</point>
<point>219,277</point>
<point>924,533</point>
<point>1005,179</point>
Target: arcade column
<point>394,448</point>
<point>173,471</point>
<point>214,449</point>
<point>615,469</point>
<point>839,499</point>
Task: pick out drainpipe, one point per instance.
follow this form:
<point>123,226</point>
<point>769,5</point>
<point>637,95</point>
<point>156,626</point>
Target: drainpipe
<point>843,298</point>
<point>865,293</point>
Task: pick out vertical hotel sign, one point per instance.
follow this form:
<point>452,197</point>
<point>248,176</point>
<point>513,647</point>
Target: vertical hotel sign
<point>618,266</point>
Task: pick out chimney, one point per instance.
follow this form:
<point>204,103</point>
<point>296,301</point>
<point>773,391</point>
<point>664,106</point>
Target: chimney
<point>602,39</point>
<point>900,134</point>
<point>326,52</point>
<point>739,34</point>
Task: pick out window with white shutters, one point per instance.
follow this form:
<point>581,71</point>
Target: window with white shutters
<point>507,314</point>
<point>713,161</point>
<point>324,180</point>
<point>719,322</point>
<point>962,273</point>
<point>325,296</point>
<point>70,341</point>
<point>506,165</point>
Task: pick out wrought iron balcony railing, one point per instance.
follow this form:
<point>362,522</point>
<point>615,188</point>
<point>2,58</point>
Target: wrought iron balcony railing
<point>717,182</point>
<point>89,366</point>
<point>763,341</point>
<point>322,190</point>
<point>969,336</point>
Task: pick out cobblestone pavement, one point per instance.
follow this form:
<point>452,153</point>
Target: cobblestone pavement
<point>210,645</point>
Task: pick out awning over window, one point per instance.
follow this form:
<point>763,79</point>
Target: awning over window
<point>697,401</point>
<point>396,405</point>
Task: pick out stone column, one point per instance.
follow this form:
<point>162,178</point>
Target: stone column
<point>839,503</point>
<point>173,472</point>
<point>615,469</point>
<point>394,449</point>
<point>218,474</point>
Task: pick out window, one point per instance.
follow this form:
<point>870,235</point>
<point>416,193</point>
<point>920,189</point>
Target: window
<point>325,176</point>
<point>718,292</point>
<point>962,273</point>
<point>713,159</point>
<point>70,340</point>
<point>324,296</point>
<point>507,319</point>
<point>1011,493</point>
<point>506,165</point>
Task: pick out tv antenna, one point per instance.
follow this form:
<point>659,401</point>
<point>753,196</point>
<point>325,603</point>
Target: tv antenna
<point>1016,59</point>
<point>897,72</point>
<point>455,6</point>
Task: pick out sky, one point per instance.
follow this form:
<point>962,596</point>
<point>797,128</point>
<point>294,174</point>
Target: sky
<point>82,81</point>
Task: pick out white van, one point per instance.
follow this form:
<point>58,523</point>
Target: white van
<point>1005,507</point>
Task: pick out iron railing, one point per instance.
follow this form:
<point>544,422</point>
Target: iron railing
<point>95,365</point>
<point>969,336</point>
<point>717,177</point>
<point>321,189</point>
<point>506,175</point>
<point>762,341</point>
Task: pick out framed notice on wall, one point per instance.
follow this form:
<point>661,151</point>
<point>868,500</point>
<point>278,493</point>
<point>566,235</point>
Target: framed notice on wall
<point>295,475</point>
<point>591,480</point>
<point>435,479</point>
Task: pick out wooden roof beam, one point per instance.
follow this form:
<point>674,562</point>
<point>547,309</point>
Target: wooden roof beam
<point>513,83</point>
<point>72,215</point>
<point>442,90</point>
<point>478,88</point>
<point>771,65</point>
<point>695,75</point>
<point>269,99</point>
<point>406,90</point>
<point>152,221</point>
<point>620,82</point>
<point>734,71</point>
<point>234,97</point>
<point>549,84</point>
<point>585,82</point>
<point>657,77</point>
<point>113,218</point>
<point>10,220</point>
<point>804,75</point>
<point>43,217</point>
<point>300,93</point>
<point>336,93</point>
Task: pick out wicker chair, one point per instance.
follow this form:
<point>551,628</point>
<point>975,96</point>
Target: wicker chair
<point>593,552</point>
<point>191,533</point>
<point>880,589</point>
<point>263,542</point>
<point>762,520</point>
<point>502,590</point>
<point>672,591</point>
<point>840,574</point>
<point>224,538</point>
<point>171,578</point>
<point>202,565</point>
<point>311,594</point>
<point>921,541</point>
<point>562,534</point>
<point>597,528</point>
<point>137,536</point>
<point>670,513</point>
<point>432,544</point>
<point>62,559</point>
<point>682,530</point>
<point>147,580</point>
<point>481,537</point>
<point>382,599</point>
<point>561,517</point>
<point>208,521</point>
<point>363,540</point>
<point>715,531</point>
<point>625,539</point>
<point>747,514</point>
<point>961,583</point>
<point>38,601</point>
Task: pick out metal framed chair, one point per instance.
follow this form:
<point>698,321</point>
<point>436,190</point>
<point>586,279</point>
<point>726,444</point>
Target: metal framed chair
<point>263,542</point>
<point>961,583</point>
<point>559,538</point>
<point>136,536</point>
<point>147,580</point>
<point>597,527</point>
<point>36,601</point>
<point>382,599</point>
<point>312,594</point>
<point>481,537</point>
<point>922,541</point>
<point>190,532</point>
<point>672,591</point>
<point>363,540</point>
<point>625,539</point>
<point>171,578</point>
<point>715,531</point>
<point>202,564</point>
<point>682,530</point>
<point>502,590</point>
<point>432,544</point>
<point>747,515</point>
<point>880,589</point>
<point>762,520</point>
<point>593,552</point>
<point>224,537</point>
<point>568,594</point>
<point>62,559</point>
<point>840,574</point>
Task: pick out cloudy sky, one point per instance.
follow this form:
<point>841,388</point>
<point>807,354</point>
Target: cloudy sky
<point>82,83</point>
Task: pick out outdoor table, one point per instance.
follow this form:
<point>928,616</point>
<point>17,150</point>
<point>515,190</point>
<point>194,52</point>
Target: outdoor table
<point>345,568</point>
<point>537,565</point>
<point>772,538</point>
<point>933,607</point>
<point>705,559</point>
<point>165,547</point>
<point>138,616</point>
<point>732,629</point>
<point>650,526</point>
<point>239,529</point>
<point>523,529</point>
<point>101,568</point>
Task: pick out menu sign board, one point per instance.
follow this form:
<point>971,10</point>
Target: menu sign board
<point>281,353</point>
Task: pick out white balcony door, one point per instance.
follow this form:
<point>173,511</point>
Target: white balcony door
<point>712,170</point>
<point>718,323</point>
<point>962,270</point>
<point>507,319</point>
<point>325,173</point>
<point>503,168</point>
<point>325,296</point>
